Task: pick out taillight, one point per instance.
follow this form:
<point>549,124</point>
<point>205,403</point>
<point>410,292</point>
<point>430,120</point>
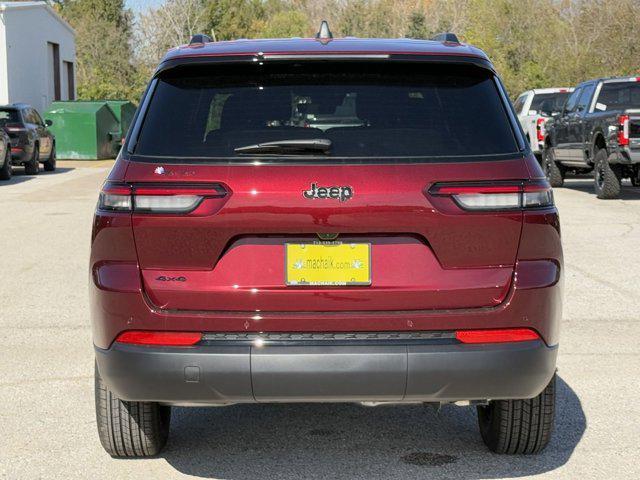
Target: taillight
<point>115,197</point>
<point>153,198</point>
<point>540,129</point>
<point>497,335</point>
<point>14,127</point>
<point>623,130</point>
<point>164,339</point>
<point>496,196</point>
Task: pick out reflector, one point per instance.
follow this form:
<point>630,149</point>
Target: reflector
<point>169,339</point>
<point>497,336</point>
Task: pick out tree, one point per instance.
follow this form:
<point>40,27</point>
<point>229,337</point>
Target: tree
<point>417,26</point>
<point>104,61</point>
<point>287,23</point>
<point>165,27</point>
<point>232,19</point>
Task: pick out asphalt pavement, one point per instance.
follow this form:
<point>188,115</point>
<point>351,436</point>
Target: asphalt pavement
<point>47,424</point>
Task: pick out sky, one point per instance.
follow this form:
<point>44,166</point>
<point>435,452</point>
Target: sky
<point>139,5</point>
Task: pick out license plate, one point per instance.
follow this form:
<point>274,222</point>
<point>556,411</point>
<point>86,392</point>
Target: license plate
<point>328,263</point>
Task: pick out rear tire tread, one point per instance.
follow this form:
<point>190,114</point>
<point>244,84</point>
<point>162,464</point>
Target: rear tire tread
<point>519,426</point>
<point>130,429</point>
<point>611,176</point>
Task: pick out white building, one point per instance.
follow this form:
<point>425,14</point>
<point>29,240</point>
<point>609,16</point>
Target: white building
<point>37,55</point>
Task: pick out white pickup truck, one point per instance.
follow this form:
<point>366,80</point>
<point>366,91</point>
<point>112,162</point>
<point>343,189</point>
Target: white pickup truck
<point>534,108</point>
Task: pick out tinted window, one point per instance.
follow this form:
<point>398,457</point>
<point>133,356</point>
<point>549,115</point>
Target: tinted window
<point>28,116</point>
<point>619,96</point>
<point>370,110</point>
<point>585,97</point>
<point>36,117</point>
<point>9,116</point>
<point>572,101</point>
<point>519,104</point>
<point>549,102</point>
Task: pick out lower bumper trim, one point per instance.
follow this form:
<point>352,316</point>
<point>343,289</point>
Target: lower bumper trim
<point>431,372</point>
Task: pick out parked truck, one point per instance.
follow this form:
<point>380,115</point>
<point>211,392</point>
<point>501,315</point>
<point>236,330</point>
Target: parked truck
<point>534,108</point>
<point>597,131</point>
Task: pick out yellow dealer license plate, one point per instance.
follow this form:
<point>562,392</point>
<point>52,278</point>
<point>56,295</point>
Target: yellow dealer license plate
<point>328,263</point>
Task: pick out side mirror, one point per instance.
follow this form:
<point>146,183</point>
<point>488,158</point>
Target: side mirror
<point>48,122</point>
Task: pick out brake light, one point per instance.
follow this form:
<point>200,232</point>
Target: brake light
<point>540,131</point>
<point>164,339</point>
<point>153,198</point>
<point>497,335</point>
<point>497,196</point>
<point>623,130</point>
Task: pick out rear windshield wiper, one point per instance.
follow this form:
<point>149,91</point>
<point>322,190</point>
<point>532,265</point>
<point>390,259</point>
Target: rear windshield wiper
<point>294,146</point>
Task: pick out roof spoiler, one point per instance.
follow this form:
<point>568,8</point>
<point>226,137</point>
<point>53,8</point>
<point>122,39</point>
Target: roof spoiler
<point>446,37</point>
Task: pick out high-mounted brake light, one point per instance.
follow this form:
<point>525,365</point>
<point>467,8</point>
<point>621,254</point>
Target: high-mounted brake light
<point>540,131</point>
<point>153,198</point>
<point>496,196</point>
<point>497,335</point>
<point>623,130</point>
<point>164,339</point>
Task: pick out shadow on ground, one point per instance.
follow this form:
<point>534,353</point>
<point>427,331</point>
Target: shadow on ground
<point>585,184</point>
<point>352,441</point>
<point>18,175</point>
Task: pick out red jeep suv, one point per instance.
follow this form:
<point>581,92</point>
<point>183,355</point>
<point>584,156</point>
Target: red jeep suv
<point>325,220</point>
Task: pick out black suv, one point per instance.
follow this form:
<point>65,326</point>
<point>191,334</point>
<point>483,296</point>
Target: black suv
<point>31,141</point>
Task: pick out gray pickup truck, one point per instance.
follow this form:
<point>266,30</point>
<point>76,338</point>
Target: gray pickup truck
<point>597,131</point>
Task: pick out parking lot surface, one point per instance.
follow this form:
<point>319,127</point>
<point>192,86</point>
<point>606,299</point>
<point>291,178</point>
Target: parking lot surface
<point>47,424</point>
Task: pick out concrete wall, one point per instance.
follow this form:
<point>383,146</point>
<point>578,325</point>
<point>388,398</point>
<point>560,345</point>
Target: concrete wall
<point>28,32</point>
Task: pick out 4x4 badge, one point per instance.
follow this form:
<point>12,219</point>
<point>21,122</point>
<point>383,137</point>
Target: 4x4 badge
<point>331,192</point>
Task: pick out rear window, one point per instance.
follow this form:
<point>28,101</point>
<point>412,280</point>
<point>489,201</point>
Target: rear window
<point>9,116</point>
<point>619,96</point>
<point>549,102</point>
<point>365,110</point>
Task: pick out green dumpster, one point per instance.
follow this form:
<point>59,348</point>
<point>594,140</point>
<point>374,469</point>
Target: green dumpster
<point>84,130</point>
<point>124,111</point>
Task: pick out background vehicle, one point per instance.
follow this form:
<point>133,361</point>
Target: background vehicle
<point>598,130</point>
<point>5,154</point>
<point>239,257</point>
<point>534,108</point>
<point>31,141</point>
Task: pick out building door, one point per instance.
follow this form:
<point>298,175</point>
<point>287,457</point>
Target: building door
<point>53,54</point>
<point>69,84</point>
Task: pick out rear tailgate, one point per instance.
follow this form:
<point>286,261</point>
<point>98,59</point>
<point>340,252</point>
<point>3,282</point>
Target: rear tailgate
<point>426,253</point>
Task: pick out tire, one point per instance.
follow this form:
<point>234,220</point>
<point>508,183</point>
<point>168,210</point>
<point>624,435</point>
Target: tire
<point>50,164</point>
<point>5,171</point>
<point>32,167</point>
<point>555,173</point>
<point>606,177</point>
<point>519,426</point>
<point>130,429</point>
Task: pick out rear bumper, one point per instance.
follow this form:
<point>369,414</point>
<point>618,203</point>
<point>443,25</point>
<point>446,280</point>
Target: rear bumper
<point>430,372</point>
<point>625,155</point>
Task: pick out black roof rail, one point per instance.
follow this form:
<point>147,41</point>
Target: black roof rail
<point>446,37</point>
<point>200,38</point>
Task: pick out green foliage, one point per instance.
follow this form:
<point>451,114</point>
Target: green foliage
<point>417,27</point>
<point>533,43</point>
<point>231,19</point>
<point>103,31</point>
<point>288,23</point>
